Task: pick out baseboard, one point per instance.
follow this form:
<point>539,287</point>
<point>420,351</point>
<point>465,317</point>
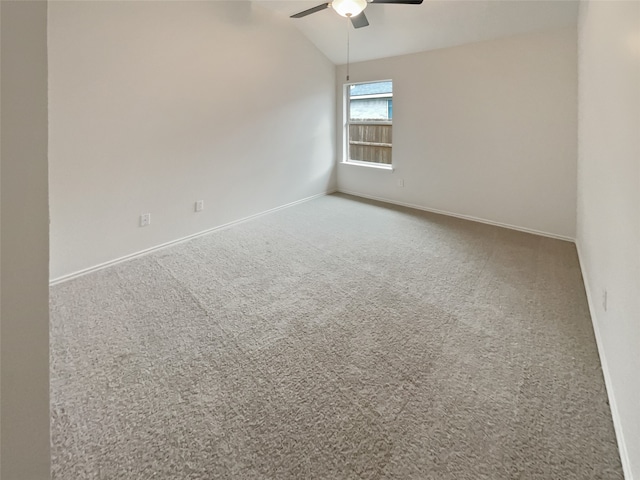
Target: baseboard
<point>457,215</point>
<point>141,253</point>
<point>615,415</point>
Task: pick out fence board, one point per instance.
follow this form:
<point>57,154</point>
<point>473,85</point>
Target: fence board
<point>370,142</point>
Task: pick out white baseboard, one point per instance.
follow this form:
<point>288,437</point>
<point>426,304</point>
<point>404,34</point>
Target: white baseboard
<point>464,217</point>
<point>141,253</point>
<point>615,415</point>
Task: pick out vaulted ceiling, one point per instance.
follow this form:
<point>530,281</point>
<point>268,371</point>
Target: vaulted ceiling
<point>402,29</point>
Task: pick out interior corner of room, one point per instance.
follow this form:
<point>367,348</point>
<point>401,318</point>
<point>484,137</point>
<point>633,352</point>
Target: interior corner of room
<point>130,126</point>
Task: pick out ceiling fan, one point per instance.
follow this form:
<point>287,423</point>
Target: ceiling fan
<point>353,9</point>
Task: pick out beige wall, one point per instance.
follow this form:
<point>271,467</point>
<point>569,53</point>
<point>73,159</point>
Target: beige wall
<point>0,249</point>
<point>154,105</point>
<point>24,345</point>
<point>608,234</point>
<point>485,130</point>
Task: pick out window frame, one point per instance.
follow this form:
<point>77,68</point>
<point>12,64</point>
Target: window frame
<point>347,122</point>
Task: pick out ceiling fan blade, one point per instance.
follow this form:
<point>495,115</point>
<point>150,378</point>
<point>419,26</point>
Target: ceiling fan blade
<point>359,21</point>
<point>319,8</point>
<point>401,2</point>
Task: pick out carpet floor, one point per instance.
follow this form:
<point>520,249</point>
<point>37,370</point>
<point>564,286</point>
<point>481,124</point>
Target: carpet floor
<point>335,339</point>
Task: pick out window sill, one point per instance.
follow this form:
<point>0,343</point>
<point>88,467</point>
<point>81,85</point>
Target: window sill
<point>388,168</point>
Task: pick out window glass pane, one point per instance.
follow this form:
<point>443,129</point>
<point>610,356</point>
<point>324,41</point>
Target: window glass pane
<point>370,101</point>
<point>369,132</point>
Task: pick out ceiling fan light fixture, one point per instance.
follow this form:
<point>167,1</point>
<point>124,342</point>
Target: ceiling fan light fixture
<point>349,8</point>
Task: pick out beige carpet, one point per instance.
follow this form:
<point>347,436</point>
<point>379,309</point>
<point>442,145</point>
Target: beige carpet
<point>336,339</point>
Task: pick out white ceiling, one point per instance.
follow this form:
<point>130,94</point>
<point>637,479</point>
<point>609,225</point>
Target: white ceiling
<point>401,29</point>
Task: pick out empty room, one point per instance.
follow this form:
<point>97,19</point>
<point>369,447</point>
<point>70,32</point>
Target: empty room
<point>384,239</point>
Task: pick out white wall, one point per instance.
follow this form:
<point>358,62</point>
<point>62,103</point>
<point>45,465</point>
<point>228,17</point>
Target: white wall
<point>608,233</point>
<point>486,130</point>
<point>24,346</point>
<point>0,247</point>
<point>154,105</point>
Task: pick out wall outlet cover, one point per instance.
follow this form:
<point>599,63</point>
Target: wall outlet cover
<point>145,219</point>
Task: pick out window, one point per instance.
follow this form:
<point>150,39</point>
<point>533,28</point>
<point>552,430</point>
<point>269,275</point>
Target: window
<point>369,123</point>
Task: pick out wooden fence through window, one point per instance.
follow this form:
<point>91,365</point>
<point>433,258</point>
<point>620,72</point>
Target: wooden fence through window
<point>370,142</point>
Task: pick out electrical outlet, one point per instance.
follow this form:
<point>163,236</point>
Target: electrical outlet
<point>145,219</point>
<point>400,182</point>
<point>604,299</point>
<point>199,205</point>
